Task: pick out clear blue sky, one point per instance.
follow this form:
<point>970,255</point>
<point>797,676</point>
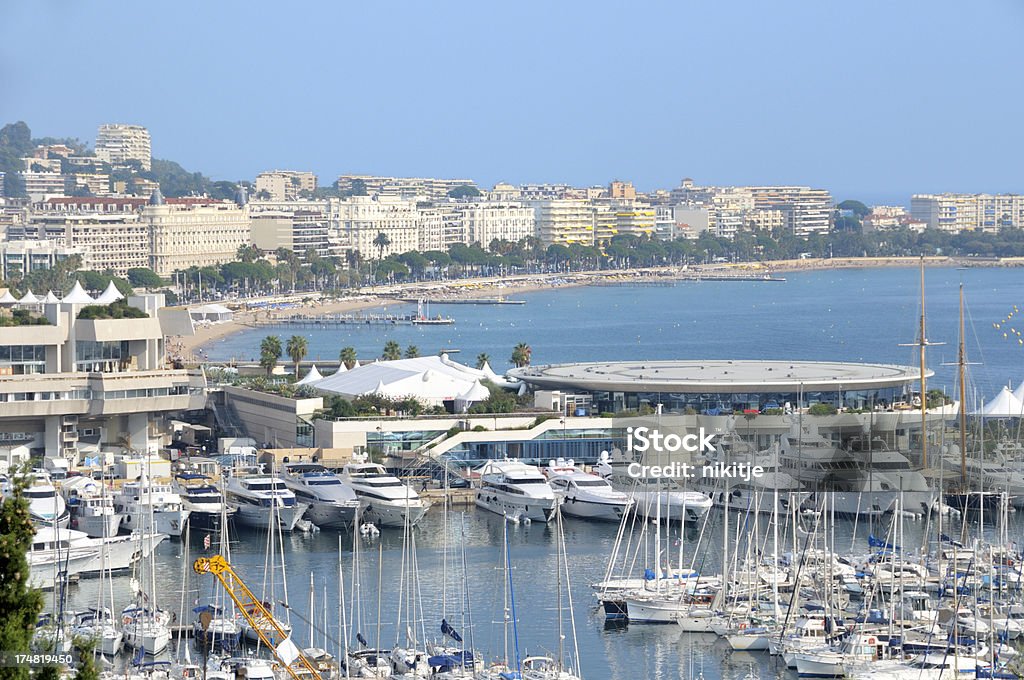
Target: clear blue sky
<point>873,99</point>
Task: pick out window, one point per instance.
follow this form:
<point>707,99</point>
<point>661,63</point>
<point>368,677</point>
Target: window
<point>22,359</point>
<point>99,357</point>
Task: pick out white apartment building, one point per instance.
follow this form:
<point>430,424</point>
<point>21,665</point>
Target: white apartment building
<point>182,235</point>
<point>692,220</point>
<point>968,212</point>
<point>114,241</point>
<point>285,185</point>
<point>363,218</point>
<point>118,144</point>
<point>97,183</point>
<point>18,258</point>
<point>807,211</point>
<point>404,187</point>
<point>76,386</point>
<point>506,221</point>
<point>565,221</point>
<point>41,185</point>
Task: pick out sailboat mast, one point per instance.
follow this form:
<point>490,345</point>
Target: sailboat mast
<point>924,392</point>
<point>962,364</point>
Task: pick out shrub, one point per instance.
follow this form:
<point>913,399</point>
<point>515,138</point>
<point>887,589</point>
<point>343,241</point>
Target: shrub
<point>822,410</point>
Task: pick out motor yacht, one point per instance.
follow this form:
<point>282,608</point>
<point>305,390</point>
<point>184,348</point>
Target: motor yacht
<point>516,490</point>
<point>332,503</point>
<point>384,499</point>
<point>261,500</point>
<point>584,494</point>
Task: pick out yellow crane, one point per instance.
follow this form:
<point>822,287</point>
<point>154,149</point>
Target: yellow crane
<point>255,612</point>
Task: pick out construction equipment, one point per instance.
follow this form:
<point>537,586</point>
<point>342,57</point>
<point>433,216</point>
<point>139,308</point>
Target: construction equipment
<point>258,617</point>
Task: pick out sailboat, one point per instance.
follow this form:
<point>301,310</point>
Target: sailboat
<point>98,623</point>
<point>146,626</point>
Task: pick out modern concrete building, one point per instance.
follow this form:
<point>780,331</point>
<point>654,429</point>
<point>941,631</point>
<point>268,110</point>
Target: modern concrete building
<point>41,185</point>
<point>564,221</point>
<point>18,258</point>
<point>108,240</point>
<point>120,144</point>
<point>297,226</point>
<point>955,213</point>
<point>285,185</point>
<point>79,385</point>
<point>807,211</point>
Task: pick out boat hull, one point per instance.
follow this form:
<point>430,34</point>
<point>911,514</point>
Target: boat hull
<point>332,515</point>
<point>596,510</point>
<point>260,517</point>
<point>536,510</point>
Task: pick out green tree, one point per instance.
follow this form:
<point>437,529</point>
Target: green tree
<point>464,191</point>
<point>348,356</point>
<point>521,355</point>
<point>87,669</point>
<point>381,242</point>
<point>392,351</point>
<point>482,358</point>
<point>248,253</point>
<point>412,351</point>
<point>270,352</point>
<point>19,602</point>
<point>144,277</point>
<point>297,347</point>
<point>856,207</point>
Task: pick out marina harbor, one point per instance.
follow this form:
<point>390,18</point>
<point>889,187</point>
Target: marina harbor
<point>777,517</point>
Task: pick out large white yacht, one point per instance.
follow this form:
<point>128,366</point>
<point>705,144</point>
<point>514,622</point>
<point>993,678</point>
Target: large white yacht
<point>262,499</point>
<point>332,503</point>
<point>385,500</point>
<point>57,552</point>
<point>835,480</point>
<point>770,491</point>
<point>151,506</point>
<point>92,508</point>
<point>654,497</point>
<point>891,474</point>
<point>516,490</point>
<point>45,505</point>
<point>203,500</point>
<point>584,494</point>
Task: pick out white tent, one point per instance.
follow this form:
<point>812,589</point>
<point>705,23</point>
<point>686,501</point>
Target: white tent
<point>1019,392</point>
<point>430,379</point>
<point>311,377</point>
<point>7,298</point>
<point>211,313</point>
<point>29,298</point>
<point>111,294</point>
<point>78,296</point>
<point>475,393</point>
<point>50,298</point>
<point>342,368</point>
<point>1005,405</point>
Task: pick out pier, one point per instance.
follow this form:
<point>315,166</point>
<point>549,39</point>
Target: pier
<point>331,320</point>
<point>465,301</point>
<point>672,281</point>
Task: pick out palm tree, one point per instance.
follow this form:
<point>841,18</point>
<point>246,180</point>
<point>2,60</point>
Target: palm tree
<point>270,352</point>
<point>392,351</point>
<point>412,351</point>
<point>482,358</point>
<point>297,348</point>
<point>348,356</point>
<point>381,241</point>
<point>521,355</point>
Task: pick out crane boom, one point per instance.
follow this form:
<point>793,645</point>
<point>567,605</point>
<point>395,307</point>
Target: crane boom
<point>255,613</point>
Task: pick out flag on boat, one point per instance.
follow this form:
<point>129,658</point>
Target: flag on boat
<point>876,542</point>
<point>137,659</point>
<point>362,640</point>
<point>446,629</point>
<point>946,539</point>
<point>287,651</point>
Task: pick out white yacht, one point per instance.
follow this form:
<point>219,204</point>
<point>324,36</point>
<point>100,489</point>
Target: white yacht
<point>92,510</point>
<point>654,497</point>
<point>758,493</point>
<point>384,499</point>
<point>146,628</point>
<point>151,506</point>
<point>332,503</point>
<point>73,553</point>
<point>203,500</point>
<point>835,480</point>
<point>45,505</point>
<point>516,490</point>
<point>584,494</point>
<point>99,625</point>
<point>260,498</point>
<point>892,478</point>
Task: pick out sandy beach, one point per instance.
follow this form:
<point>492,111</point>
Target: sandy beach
<point>509,286</point>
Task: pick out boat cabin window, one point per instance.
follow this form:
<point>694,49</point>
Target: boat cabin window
<point>591,482</point>
<point>265,486</point>
<point>326,481</point>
